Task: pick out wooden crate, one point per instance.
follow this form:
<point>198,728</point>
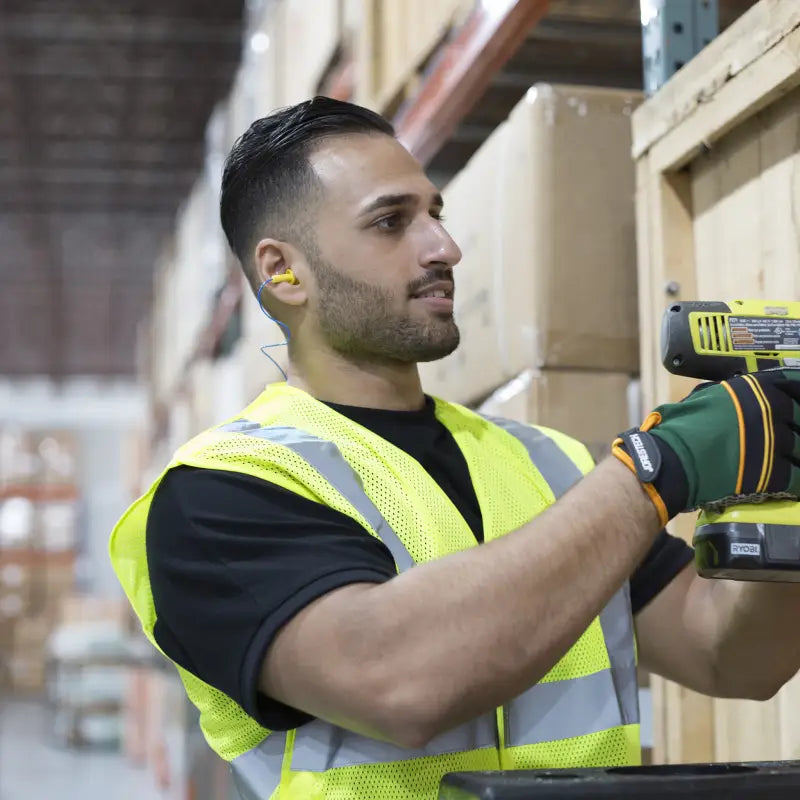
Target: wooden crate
<point>718,159</point>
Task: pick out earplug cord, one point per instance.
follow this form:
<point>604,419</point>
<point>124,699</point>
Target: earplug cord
<point>284,327</point>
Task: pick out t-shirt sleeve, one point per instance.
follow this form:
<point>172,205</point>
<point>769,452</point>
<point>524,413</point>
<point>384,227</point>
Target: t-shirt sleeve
<point>667,557</point>
<point>232,559</point>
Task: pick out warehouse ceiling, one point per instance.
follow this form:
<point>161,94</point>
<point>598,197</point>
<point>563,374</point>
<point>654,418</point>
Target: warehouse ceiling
<point>103,110</point>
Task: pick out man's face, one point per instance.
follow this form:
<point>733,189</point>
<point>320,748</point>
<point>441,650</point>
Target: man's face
<point>384,263</point>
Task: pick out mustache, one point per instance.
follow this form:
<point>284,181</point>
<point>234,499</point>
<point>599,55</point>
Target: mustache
<point>433,276</point>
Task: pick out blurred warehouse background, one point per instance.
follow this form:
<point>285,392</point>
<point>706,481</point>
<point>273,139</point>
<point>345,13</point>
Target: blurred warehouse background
<point>125,326</point>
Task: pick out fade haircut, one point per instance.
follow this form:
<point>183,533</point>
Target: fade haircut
<point>268,180</point>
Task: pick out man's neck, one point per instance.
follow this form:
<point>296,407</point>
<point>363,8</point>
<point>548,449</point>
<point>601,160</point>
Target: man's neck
<point>334,379</point>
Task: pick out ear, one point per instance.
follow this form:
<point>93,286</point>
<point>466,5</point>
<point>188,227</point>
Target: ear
<point>273,257</point>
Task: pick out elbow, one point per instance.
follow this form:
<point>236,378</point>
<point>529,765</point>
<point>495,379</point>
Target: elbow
<point>762,685</point>
<point>411,736</point>
<point>751,690</point>
<point>408,713</point>
<point>764,693</point>
<point>410,722</point>
<point>765,687</point>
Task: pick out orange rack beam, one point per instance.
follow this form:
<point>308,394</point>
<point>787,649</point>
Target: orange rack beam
<point>486,41</point>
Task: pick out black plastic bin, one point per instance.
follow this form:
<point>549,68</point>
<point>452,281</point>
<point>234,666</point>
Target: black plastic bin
<point>776,780</point>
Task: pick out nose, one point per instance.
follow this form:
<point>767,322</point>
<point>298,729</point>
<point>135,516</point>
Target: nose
<point>439,249</point>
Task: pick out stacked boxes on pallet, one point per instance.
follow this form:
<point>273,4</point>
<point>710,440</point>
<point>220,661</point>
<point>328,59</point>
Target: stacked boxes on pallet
<point>39,508</point>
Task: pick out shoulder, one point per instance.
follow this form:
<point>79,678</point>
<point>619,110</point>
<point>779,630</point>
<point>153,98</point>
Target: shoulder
<point>197,497</point>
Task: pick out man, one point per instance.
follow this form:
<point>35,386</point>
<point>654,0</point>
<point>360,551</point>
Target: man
<point>312,567</point>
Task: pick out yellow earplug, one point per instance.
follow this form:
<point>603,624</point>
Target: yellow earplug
<point>285,277</point>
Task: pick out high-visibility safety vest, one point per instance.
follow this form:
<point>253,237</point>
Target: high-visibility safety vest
<point>583,713</point>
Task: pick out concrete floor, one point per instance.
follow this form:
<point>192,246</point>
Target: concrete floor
<point>33,768</point>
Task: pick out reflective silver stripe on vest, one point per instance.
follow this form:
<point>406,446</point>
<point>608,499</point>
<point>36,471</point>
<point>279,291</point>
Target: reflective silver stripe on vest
<point>240,426</point>
<point>616,620</point>
<point>327,459</point>
<point>594,702</point>
<point>557,468</point>
<point>322,746</point>
<point>563,709</point>
<point>257,773</point>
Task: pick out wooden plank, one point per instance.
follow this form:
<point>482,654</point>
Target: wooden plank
<point>657,691</point>
<point>682,724</point>
<point>709,76</point>
<point>746,730</point>
<point>777,73</point>
<point>682,720</point>
<point>789,719</point>
<point>779,193</point>
<point>666,262</point>
<point>685,719</point>
<point>744,193</point>
<point>487,40</point>
<point>727,225</point>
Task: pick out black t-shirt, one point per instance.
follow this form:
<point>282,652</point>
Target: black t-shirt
<point>233,558</point>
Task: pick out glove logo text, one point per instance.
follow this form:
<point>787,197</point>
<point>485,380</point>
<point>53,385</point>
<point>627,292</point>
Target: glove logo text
<point>641,453</point>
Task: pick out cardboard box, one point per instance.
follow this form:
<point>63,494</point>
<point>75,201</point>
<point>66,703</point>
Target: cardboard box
<point>78,608</point>
<point>15,589</point>
<point>58,454</point>
<point>567,261</point>
<point>472,218</point>
<point>26,671</point>
<point>27,658</point>
<point>56,526</point>
<point>558,399</point>
<point>136,706</point>
<point>59,582</point>
<point>544,216</point>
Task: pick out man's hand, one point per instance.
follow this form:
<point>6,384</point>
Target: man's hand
<point>727,439</point>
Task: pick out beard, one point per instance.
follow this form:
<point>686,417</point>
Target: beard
<point>358,321</point>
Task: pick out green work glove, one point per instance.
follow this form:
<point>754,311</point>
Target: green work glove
<point>733,439</point>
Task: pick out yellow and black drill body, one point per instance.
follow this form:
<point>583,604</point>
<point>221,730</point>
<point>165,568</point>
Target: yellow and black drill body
<point>714,341</point>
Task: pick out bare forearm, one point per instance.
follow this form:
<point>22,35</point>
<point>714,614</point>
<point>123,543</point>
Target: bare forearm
<point>454,638</point>
<point>751,631</point>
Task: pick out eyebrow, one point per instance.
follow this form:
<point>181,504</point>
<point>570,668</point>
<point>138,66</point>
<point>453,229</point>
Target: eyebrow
<point>390,200</point>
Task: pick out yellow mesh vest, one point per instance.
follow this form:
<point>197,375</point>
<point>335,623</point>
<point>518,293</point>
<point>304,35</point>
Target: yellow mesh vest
<point>510,491</point>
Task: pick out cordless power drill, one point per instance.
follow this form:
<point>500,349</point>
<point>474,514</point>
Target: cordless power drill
<point>714,341</point>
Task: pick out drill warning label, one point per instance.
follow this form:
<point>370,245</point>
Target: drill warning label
<point>764,333</point>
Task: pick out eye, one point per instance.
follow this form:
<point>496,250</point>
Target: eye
<point>390,223</point>
<point>438,216</point>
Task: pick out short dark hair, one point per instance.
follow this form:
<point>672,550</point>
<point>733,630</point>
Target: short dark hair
<point>268,178</point>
